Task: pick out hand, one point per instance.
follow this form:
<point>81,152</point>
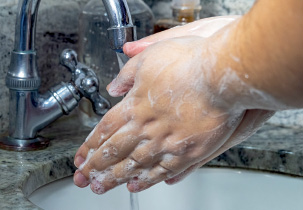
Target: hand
<point>172,120</point>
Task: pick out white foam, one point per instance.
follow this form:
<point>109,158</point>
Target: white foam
<point>168,157</point>
<point>143,176</point>
<point>102,137</point>
<point>235,58</point>
<point>135,184</point>
<point>98,177</point>
<point>108,152</point>
<point>142,143</point>
<point>150,98</point>
<point>97,187</point>
<point>130,165</point>
<point>105,153</point>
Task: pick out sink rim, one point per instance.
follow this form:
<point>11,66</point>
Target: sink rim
<point>30,168</point>
<point>233,171</point>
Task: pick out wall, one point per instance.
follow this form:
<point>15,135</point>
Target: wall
<point>57,29</point>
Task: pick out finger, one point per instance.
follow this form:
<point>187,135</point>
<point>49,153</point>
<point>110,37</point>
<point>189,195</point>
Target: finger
<point>119,146</point>
<point>204,28</point>
<point>125,145</point>
<point>102,181</point>
<point>126,171</point>
<point>139,164</point>
<point>133,48</point>
<point>113,151</point>
<point>251,122</point>
<point>82,152</point>
<point>139,180</point>
<point>109,124</point>
<point>80,180</point>
<point>147,178</point>
<point>181,175</point>
<point>148,152</point>
<point>127,136</point>
<point>125,79</point>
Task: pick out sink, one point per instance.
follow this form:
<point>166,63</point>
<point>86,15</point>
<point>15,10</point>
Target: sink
<point>207,188</point>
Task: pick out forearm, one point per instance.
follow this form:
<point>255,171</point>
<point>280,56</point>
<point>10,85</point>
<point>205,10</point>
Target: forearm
<point>265,49</point>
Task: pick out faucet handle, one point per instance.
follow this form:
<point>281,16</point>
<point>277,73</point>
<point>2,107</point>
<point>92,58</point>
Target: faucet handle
<point>68,58</point>
<point>85,81</point>
<point>89,88</point>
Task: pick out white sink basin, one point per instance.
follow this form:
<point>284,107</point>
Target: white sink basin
<point>206,189</point>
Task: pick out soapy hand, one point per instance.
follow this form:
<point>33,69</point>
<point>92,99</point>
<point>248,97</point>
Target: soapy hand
<point>173,119</point>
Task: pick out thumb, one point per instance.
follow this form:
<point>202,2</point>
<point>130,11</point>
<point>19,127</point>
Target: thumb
<point>203,28</point>
<point>133,48</point>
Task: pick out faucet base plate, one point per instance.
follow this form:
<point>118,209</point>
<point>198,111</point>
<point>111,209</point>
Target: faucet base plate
<point>22,145</point>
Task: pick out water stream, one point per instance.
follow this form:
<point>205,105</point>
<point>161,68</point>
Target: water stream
<point>122,59</point>
<point>134,202</point>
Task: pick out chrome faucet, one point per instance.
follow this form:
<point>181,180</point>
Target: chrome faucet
<point>29,111</point>
<point>121,28</point>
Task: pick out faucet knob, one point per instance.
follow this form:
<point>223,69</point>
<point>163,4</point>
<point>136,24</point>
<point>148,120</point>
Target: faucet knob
<point>85,81</point>
<point>90,90</point>
<point>68,58</point>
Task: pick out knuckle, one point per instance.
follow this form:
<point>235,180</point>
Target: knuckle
<point>131,164</point>
<point>181,147</point>
<point>137,158</point>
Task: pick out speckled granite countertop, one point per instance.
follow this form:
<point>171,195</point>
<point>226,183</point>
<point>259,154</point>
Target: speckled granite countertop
<point>274,149</point>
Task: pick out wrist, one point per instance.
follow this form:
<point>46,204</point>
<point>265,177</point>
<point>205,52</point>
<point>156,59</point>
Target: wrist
<point>235,77</point>
<point>228,80</point>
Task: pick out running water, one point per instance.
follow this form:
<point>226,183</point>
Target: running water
<point>134,202</point>
<point>122,59</point>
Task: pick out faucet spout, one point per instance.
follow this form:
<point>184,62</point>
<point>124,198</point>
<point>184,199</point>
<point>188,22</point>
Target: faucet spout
<point>29,111</point>
<point>23,73</point>
<point>121,28</point>
<point>25,30</point>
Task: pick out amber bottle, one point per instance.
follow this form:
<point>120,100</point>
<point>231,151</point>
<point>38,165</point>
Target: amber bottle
<point>183,11</point>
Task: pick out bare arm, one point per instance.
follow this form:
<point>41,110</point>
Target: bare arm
<point>266,51</point>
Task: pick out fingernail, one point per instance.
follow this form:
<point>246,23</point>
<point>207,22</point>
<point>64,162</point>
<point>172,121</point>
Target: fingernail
<point>78,161</point>
<point>133,186</point>
<point>97,187</point>
<point>80,180</point>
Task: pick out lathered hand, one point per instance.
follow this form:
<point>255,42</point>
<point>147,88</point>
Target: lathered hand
<point>173,119</point>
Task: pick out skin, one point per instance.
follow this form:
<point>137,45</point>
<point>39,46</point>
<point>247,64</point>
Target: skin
<point>192,93</point>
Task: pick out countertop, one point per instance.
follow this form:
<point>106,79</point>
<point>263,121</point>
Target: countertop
<point>272,148</point>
